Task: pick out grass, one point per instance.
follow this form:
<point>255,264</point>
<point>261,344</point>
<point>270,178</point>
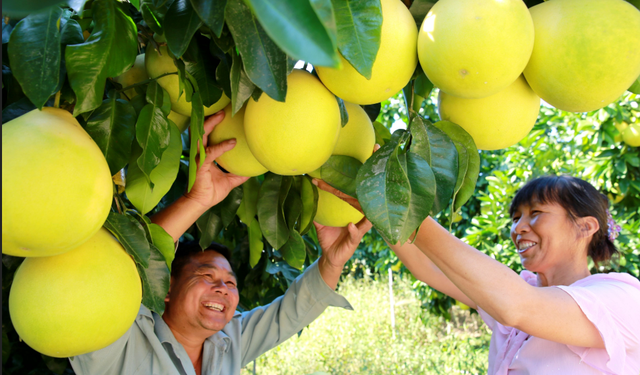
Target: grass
<point>362,342</point>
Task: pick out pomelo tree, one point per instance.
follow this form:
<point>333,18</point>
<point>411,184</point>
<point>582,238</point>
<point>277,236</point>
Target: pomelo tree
<point>74,55</point>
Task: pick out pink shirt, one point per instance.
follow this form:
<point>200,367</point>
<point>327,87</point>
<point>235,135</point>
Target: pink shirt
<point>610,301</point>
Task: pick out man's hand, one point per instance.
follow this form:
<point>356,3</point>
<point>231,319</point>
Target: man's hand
<point>212,185</point>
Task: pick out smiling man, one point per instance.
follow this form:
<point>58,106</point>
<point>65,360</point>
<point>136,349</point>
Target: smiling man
<point>200,331</point>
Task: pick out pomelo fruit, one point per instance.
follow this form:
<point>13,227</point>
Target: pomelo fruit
<point>181,121</point>
<point>334,212</point>
<point>393,67</point>
<point>159,63</point>
<point>475,48</point>
<point>239,160</point>
<point>77,302</point>
<point>299,135</point>
<point>621,126</point>
<point>497,121</point>
<point>56,184</point>
<point>631,135</point>
<point>137,73</point>
<point>586,52</point>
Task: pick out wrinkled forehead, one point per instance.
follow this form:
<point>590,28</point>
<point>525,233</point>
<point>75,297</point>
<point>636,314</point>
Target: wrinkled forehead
<point>210,260</point>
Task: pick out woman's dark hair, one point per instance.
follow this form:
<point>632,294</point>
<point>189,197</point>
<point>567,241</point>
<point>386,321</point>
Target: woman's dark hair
<point>580,199</point>
<point>187,249</point>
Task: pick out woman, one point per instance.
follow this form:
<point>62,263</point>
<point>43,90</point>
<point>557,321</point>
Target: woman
<point>555,318</point>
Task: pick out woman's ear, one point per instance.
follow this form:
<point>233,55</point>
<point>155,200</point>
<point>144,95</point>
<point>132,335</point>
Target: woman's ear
<point>589,225</point>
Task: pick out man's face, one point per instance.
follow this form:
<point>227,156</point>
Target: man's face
<point>204,297</point>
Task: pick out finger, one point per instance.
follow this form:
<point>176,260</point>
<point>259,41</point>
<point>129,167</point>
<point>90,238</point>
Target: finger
<point>319,227</point>
<point>328,188</point>
<point>364,226</point>
<point>354,235</point>
<point>235,180</point>
<point>215,151</point>
<point>376,147</point>
<point>210,123</point>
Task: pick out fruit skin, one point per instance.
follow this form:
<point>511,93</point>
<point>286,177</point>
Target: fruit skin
<point>158,65</point>
<point>334,212</point>
<point>586,52</point>
<point>137,73</point>
<point>498,121</point>
<point>56,184</point>
<point>181,121</point>
<point>394,65</point>
<point>621,126</point>
<point>631,135</point>
<point>297,136</point>
<point>239,160</point>
<point>76,302</point>
<point>475,48</point>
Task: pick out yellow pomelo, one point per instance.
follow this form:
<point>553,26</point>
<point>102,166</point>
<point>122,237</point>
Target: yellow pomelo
<point>161,63</point>
<point>77,302</point>
<point>394,64</point>
<point>137,73</point>
<point>586,52</point>
<point>297,136</point>
<point>631,135</point>
<point>181,121</point>
<point>497,121</point>
<point>621,126</point>
<point>357,137</point>
<point>56,184</point>
<point>334,212</point>
<point>475,48</point>
<point>239,160</point>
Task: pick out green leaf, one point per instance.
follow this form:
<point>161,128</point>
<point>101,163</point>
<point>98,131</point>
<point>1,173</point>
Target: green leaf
<point>309,197</point>
<point>138,189</point>
<point>468,167</point>
<point>163,243</point>
<point>34,51</point>
<point>340,171</point>
<point>20,8</point>
<point>155,281</point>
<point>635,87</point>
<point>108,52</point>
<point>112,128</point>
<point>180,24</point>
<point>264,63</point>
<point>294,250</point>
<point>422,85</point>
<point>228,208</point>
<point>71,33</point>
<point>292,205</point>
<point>324,11</point>
<point>211,13</point>
<point>256,246</point>
<point>419,10</point>
<point>196,127</point>
<point>153,135</point>
<point>159,97</point>
<point>223,74</point>
<point>359,25</point>
<point>383,135</point>
<point>151,17</point>
<point>249,207</point>
<point>241,85</point>
<point>6,347</point>
<point>297,30</point>
<point>56,365</point>
<point>200,63</point>
<point>131,236</point>
<point>344,115</point>
<point>209,224</point>
<point>423,193</point>
<point>273,193</point>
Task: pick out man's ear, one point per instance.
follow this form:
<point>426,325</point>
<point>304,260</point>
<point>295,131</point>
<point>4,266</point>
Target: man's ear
<point>166,298</point>
<point>589,225</point>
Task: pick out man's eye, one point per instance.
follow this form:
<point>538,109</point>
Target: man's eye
<point>515,219</point>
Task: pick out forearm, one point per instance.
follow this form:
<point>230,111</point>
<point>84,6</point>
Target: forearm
<point>330,273</point>
<point>491,285</point>
<point>179,216</point>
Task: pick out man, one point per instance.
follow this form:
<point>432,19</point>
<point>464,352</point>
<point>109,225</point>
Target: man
<point>200,331</point>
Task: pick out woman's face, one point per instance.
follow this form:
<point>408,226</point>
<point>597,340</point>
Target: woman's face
<point>546,237</point>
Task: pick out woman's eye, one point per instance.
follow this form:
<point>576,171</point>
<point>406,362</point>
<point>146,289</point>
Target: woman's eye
<point>515,219</point>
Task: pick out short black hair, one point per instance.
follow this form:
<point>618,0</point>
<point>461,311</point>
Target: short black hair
<point>580,199</point>
<point>187,249</point>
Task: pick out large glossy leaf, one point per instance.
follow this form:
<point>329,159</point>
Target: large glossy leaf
<point>249,207</point>
<point>34,51</point>
<point>359,25</point>
<point>153,135</point>
<point>273,193</point>
<point>108,52</point>
<point>294,250</point>
<point>196,129</point>
<point>256,246</point>
<point>241,85</point>
<point>309,197</point>
<point>162,242</point>
<point>635,88</point>
<point>155,281</point>
<point>423,193</point>
<point>383,135</point>
<point>340,171</point>
<point>139,191</point>
<point>159,97</point>
<point>296,28</point>
<point>468,162</point>
<point>211,13</point>
<point>112,127</point>
<point>201,64</point>
<point>264,62</point>
<point>293,204</point>
<point>219,217</point>
<point>71,33</point>
<point>131,236</point>
<point>344,115</point>
<point>180,24</point>
<point>21,8</point>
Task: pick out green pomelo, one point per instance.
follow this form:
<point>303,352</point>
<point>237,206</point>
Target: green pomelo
<point>586,52</point>
<point>631,135</point>
<point>239,160</point>
<point>137,73</point>
<point>334,212</point>
<point>77,302</point>
<point>475,48</point>
<point>297,136</point>
<point>181,121</point>
<point>393,66</point>
<point>161,63</point>
<point>497,121</point>
<point>56,184</point>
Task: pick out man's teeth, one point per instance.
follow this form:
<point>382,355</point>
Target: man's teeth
<point>214,306</point>
<point>524,245</point>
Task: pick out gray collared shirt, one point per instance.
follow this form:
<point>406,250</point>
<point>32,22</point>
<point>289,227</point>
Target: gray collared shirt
<point>149,347</point>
